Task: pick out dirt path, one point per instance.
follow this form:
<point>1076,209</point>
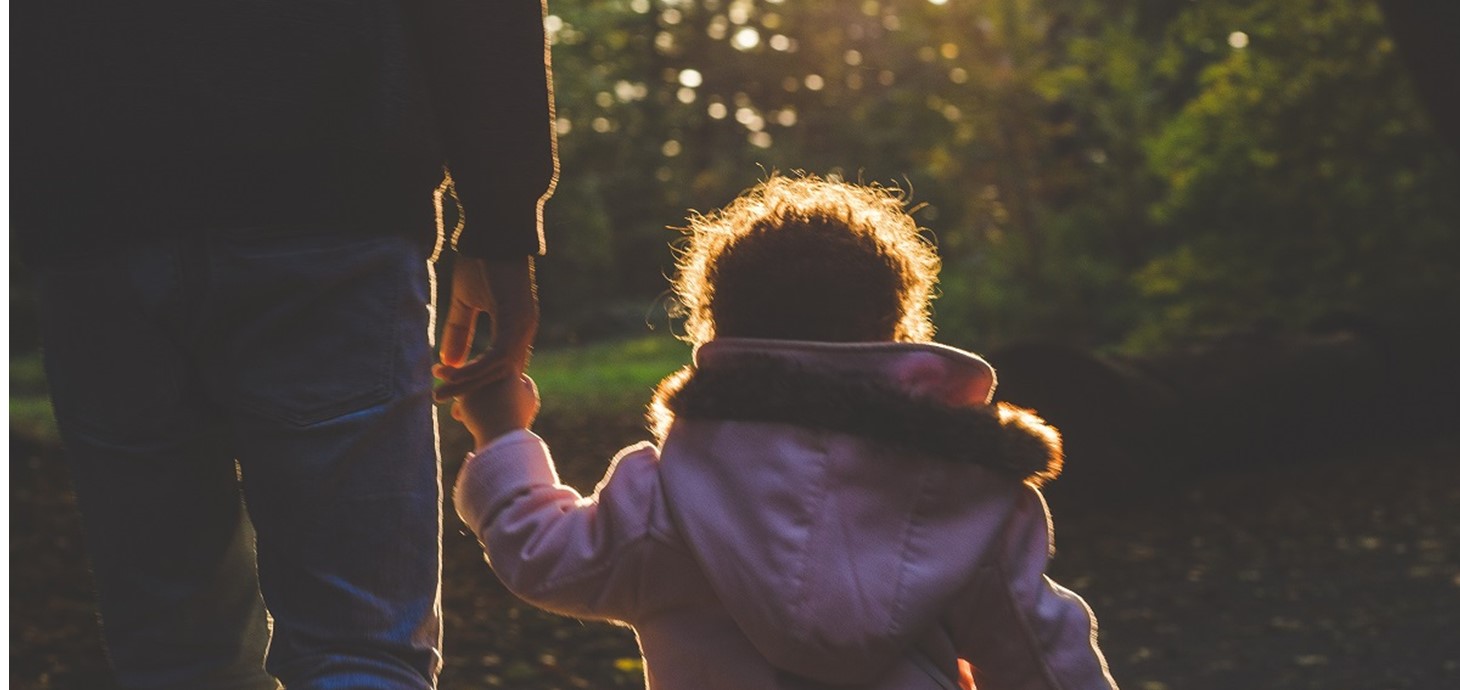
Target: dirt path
<point>1339,571</point>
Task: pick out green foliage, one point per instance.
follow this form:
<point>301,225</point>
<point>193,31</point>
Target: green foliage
<point>1124,171</point>
<point>616,374</point>
<point>1301,179</point>
<point>30,403</point>
<point>1121,172</point>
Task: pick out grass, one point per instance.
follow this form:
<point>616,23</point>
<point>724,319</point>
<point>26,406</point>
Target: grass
<point>609,375</point>
<point>30,405</point>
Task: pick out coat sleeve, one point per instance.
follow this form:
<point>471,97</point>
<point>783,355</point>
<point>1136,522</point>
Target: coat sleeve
<point>568,554</point>
<point>491,86</point>
<point>1020,629</point>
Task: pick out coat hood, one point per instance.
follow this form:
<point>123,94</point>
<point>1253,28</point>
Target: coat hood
<point>838,495</point>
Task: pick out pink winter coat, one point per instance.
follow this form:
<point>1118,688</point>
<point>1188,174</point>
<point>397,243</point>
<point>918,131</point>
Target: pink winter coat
<point>818,515</point>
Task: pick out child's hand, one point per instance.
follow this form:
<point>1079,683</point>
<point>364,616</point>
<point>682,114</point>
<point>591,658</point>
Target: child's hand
<point>497,408</point>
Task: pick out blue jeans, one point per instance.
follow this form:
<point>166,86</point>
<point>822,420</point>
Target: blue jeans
<point>249,423</point>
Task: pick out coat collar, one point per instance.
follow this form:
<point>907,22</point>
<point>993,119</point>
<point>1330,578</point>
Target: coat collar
<point>926,398</point>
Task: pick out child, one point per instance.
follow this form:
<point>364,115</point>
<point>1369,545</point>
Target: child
<point>833,500</point>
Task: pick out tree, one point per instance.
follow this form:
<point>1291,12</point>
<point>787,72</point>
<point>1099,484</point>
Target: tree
<point>1302,179</point>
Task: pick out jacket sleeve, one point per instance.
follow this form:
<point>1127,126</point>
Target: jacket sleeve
<point>1020,629</point>
<point>550,546</point>
<point>491,85</point>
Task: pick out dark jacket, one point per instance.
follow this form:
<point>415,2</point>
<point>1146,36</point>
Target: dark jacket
<point>154,117</point>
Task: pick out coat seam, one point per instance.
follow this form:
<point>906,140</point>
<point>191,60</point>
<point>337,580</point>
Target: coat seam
<point>1025,628</point>
<point>913,523</point>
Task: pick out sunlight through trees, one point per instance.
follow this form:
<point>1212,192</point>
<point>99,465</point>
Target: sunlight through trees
<point>1128,172</point>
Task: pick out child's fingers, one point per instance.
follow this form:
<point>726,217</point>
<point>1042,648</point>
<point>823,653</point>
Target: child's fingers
<point>483,372</point>
<point>454,389</point>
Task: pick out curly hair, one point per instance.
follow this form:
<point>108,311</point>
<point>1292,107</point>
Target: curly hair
<point>806,258</point>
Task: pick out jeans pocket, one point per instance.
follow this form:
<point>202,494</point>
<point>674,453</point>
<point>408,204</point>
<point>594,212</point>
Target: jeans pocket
<point>312,328</point>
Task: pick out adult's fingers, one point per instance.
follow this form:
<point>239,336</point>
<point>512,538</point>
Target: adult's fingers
<point>457,335</point>
<point>495,363</point>
<point>512,347</point>
<point>484,371</point>
<point>513,307</point>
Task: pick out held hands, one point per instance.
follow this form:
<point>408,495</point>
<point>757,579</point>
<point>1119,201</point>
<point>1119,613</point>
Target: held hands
<point>497,408</point>
<point>506,290</point>
<point>491,395</point>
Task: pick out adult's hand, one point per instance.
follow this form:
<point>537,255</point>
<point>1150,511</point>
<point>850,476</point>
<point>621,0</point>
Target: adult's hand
<point>504,289</point>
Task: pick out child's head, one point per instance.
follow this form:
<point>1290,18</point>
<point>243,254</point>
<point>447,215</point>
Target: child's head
<point>808,259</point>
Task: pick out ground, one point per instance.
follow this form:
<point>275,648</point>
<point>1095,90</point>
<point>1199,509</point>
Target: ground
<point>1337,570</point>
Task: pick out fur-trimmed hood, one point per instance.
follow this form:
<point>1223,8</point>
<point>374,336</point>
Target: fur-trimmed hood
<point>922,397</point>
<point>839,495</point>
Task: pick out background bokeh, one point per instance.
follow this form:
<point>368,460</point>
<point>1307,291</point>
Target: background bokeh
<point>1110,173</point>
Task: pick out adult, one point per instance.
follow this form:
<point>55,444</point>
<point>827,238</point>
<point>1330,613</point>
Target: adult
<point>229,204</point>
